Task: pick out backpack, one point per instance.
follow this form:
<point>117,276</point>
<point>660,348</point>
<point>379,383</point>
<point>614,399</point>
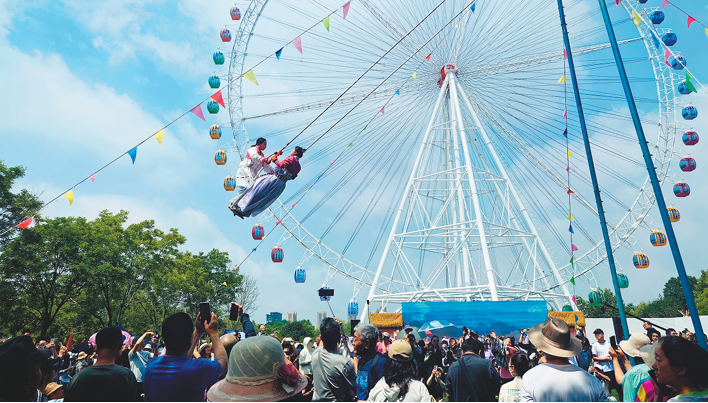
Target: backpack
<point>584,358</point>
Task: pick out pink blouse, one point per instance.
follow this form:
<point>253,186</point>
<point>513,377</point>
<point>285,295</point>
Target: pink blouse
<point>292,164</point>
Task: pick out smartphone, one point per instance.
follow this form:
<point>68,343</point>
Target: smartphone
<point>272,332</point>
<point>205,311</point>
<point>613,341</point>
<point>435,368</point>
<point>233,314</point>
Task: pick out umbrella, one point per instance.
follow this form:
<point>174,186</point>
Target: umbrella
<point>126,339</point>
<point>441,328</point>
<point>416,332</point>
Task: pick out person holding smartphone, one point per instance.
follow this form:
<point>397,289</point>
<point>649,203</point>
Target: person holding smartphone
<point>603,361</point>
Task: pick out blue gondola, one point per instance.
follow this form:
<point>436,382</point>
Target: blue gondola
<point>567,308</point>
<point>218,58</point>
<point>353,308</point>
<point>214,81</point>
<point>669,39</point>
<point>683,88</point>
<point>596,298</point>
<point>657,17</point>
<point>300,275</point>
<point>689,112</point>
<point>678,63</point>
<point>213,107</point>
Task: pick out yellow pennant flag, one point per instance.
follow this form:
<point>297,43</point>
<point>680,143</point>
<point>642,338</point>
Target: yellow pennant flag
<point>325,22</point>
<point>637,19</point>
<point>70,195</point>
<point>570,217</point>
<point>414,75</point>
<point>251,77</point>
<point>569,154</point>
<point>562,80</point>
<point>457,25</point>
<point>159,135</point>
<point>706,31</point>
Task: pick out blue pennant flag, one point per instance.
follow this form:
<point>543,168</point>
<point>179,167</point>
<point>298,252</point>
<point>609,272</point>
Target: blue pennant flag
<point>277,54</point>
<point>657,43</point>
<point>398,92</point>
<point>133,153</point>
<point>254,249</point>
<point>565,133</point>
<point>571,229</point>
<point>473,7</point>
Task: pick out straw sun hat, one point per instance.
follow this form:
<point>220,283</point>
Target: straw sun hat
<point>258,372</point>
<point>553,337</point>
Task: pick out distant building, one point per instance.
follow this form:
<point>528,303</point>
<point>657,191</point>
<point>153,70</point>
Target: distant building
<point>273,316</point>
<point>320,318</point>
<point>292,316</point>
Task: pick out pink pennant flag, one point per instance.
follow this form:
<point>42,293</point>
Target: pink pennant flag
<point>565,114</point>
<point>218,98</point>
<point>565,53</point>
<point>345,8</point>
<point>298,44</point>
<point>294,205</point>
<point>428,57</point>
<point>334,160</point>
<point>617,2</point>
<point>197,110</point>
<point>664,4</point>
<point>573,248</point>
<point>383,112</point>
<point>278,223</point>
<point>441,42</point>
<point>567,169</point>
<point>666,57</point>
<point>691,20</point>
<point>574,301</point>
<point>93,177</point>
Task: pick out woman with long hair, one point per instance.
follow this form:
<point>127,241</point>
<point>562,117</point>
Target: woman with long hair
<point>519,363</point>
<point>683,366</point>
<point>252,165</point>
<point>398,383</point>
<point>267,188</point>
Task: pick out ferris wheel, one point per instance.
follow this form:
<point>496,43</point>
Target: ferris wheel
<point>443,173</point>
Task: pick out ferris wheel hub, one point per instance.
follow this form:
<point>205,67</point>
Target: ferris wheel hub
<point>448,68</point>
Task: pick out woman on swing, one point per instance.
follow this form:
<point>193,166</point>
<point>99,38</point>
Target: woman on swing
<point>255,199</point>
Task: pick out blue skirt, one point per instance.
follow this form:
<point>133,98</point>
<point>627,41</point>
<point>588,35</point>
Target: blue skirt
<point>263,193</point>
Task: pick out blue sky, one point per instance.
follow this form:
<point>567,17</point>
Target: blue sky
<point>83,81</point>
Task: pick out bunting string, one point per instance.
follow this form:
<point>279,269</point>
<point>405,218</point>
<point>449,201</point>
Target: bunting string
<point>573,248</point>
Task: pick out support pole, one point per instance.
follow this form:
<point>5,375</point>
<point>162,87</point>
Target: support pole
<point>661,203</point>
<point>593,174</point>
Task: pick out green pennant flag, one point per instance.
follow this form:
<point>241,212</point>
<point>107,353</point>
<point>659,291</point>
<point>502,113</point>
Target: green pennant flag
<point>688,76</point>
<point>326,23</point>
<point>572,280</point>
<point>365,127</point>
<point>690,86</point>
<point>351,144</point>
<point>571,261</point>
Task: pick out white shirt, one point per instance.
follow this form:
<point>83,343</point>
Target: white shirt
<point>251,167</point>
<point>560,383</point>
<point>602,350</point>
<point>511,391</point>
<point>417,392</point>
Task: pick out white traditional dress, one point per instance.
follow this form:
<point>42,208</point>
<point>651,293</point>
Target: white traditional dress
<point>253,164</point>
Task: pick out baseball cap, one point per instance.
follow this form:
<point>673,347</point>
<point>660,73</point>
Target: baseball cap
<point>598,331</point>
<point>385,334</point>
<point>400,350</point>
<point>21,349</point>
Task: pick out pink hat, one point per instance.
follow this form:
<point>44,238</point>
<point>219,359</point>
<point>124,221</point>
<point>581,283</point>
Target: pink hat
<point>258,372</point>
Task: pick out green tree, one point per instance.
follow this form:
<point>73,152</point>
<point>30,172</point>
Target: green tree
<point>14,207</point>
<point>45,268</point>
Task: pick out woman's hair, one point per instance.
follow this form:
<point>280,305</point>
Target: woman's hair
<point>399,374</point>
<point>450,357</point>
<point>520,361</point>
<point>299,151</point>
<point>260,141</point>
<point>681,353</point>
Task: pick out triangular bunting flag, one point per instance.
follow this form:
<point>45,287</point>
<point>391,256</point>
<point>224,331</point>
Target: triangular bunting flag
<point>572,280</point>
<point>565,54</point>
<point>158,136</point>
<point>570,217</point>
<point>298,44</point>
<point>573,248</point>
<point>565,114</point>
<point>278,53</point>
<point>251,77</point>
<point>576,319</point>
<point>383,112</point>
<point>254,249</point>
<point>569,154</point>
<point>93,177</point>
<point>345,9</point>
<point>351,144</point>
<point>218,98</point>
<point>570,191</point>
<point>565,133</point>
<point>334,160</point>
<point>689,85</point>
<point>666,57</point>
<point>664,4</point>
<point>561,81</point>
<point>278,223</point>
<point>567,169</point>
<point>133,153</point>
<point>473,7</point>
<point>398,92</point>
<point>571,261</point>
<point>574,301</point>
<point>294,204</point>
<point>457,25</point>
<point>655,38</point>
<point>691,20</point>
<point>570,229</point>
<point>197,110</point>
<point>365,127</point>
<point>428,57</point>
<point>636,18</point>
<point>617,2</point>
<point>325,22</point>
<point>24,224</point>
<point>688,76</point>
<point>706,31</point>
<point>415,76</point>
<point>70,195</point>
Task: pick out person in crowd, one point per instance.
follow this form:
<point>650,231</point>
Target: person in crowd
<point>436,384</point>
<point>683,366</point>
<point>472,378</point>
<point>584,359</point>
<point>258,371</point>
<point>417,354</point>
<point>649,390</point>
<point>105,380</point>
<point>20,369</point>
<point>455,348</point>
<point>268,188</point>
<point>173,376</point>
<point>671,332</point>
<point>81,362</point>
<point>630,377</point>
<point>448,360</point>
<point>653,335</point>
<point>54,392</point>
<point>519,364</point>
<point>398,383</point>
<point>291,353</point>
<point>261,331</point>
<point>603,361</point>
<point>370,366</point>
<point>48,368</point>
<point>334,376</point>
<point>306,365</point>
<point>139,359</point>
<point>542,383</point>
<point>384,342</point>
<point>434,356</point>
<point>204,351</point>
<point>508,350</point>
<point>408,329</point>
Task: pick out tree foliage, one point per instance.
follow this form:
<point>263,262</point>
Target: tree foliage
<point>14,207</point>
